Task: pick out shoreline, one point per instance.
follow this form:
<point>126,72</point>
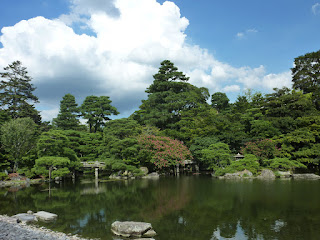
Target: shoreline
<point>11,230</point>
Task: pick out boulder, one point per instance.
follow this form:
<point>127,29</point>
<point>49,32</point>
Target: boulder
<point>306,176</point>
<point>144,170</point>
<point>267,174</point>
<point>46,216</point>
<point>132,229</point>
<point>284,174</point>
<point>25,217</point>
<point>243,174</point>
<point>153,175</point>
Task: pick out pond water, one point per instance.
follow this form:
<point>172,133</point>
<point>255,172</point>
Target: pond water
<point>185,208</point>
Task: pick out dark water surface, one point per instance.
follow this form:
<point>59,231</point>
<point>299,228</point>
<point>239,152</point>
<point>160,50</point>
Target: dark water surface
<point>187,208</point>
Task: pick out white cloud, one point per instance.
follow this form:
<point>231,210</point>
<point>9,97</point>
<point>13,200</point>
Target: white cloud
<point>316,8</point>
<point>246,33</point>
<point>131,39</point>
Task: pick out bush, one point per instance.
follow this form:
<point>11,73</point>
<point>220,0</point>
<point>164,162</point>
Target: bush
<point>285,164</point>
<point>250,163</point>
<point>3,176</point>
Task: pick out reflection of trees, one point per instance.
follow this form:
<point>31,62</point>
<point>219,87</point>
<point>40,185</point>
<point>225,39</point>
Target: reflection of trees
<point>188,208</point>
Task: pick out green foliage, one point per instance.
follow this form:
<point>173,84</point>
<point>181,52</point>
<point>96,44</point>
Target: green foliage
<point>67,118</point>
<point>217,155</point>
<point>220,101</point>
<point>198,144</point>
<point>120,137</point>
<point>16,93</point>
<point>56,144</point>
<point>285,164</point>
<point>18,138</point>
<point>263,149</point>
<point>59,166</point>
<point>97,110</point>
<point>250,163</point>
<point>3,176</point>
<point>306,73</point>
<point>168,96</point>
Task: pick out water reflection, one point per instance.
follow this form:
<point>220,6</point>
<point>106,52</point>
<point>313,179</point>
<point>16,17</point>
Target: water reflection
<point>185,208</point>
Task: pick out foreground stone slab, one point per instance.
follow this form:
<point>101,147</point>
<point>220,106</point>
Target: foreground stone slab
<point>132,229</point>
<point>46,216</point>
<point>25,217</point>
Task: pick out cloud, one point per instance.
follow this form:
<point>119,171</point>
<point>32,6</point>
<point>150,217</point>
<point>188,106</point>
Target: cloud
<point>242,35</point>
<point>316,8</point>
<point>129,40</point>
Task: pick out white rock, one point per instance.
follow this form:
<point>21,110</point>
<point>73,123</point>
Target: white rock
<point>46,216</point>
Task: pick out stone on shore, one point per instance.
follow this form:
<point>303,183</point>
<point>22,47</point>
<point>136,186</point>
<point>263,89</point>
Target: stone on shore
<point>306,176</point>
<point>237,175</point>
<point>25,217</point>
<point>153,175</point>
<point>45,216</point>
<point>267,174</point>
<point>284,174</point>
<point>132,229</point>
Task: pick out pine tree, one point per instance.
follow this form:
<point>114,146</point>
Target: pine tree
<point>67,118</point>
<point>16,93</point>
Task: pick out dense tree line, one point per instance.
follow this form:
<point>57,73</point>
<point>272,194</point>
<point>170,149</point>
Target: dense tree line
<point>279,130</point>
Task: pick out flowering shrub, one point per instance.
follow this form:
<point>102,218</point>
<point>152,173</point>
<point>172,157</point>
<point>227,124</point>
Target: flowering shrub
<point>164,151</point>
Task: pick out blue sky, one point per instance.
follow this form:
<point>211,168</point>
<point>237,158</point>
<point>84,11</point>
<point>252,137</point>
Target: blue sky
<point>106,47</point>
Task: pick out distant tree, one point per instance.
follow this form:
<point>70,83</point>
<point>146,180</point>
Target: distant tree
<point>18,138</point>
<point>163,152</point>
<point>216,156</point>
<point>67,118</point>
<point>97,110</point>
<point>219,101</point>
<point>306,75</point>
<point>16,93</point>
<point>168,96</point>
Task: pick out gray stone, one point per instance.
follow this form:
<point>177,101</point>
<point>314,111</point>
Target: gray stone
<point>131,229</point>
<point>267,174</point>
<point>45,216</point>
<point>144,170</point>
<point>284,174</point>
<point>150,233</point>
<point>243,174</point>
<point>25,217</point>
<point>153,175</point>
<point>29,212</point>
<point>306,176</point>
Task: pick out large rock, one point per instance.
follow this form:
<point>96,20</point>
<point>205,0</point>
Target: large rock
<point>153,175</point>
<point>284,174</point>
<point>307,176</point>
<point>144,170</point>
<point>243,174</point>
<point>46,216</point>
<point>267,174</point>
<point>132,229</point>
<point>25,217</point>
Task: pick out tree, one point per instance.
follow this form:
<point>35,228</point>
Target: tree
<point>56,144</point>
<point>97,110</point>
<point>16,92</point>
<point>163,152</point>
<point>306,74</point>
<point>168,96</point>
<point>18,138</point>
<point>216,156</point>
<point>220,101</point>
<point>67,118</point>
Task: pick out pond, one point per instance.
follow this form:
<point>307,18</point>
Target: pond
<point>193,207</point>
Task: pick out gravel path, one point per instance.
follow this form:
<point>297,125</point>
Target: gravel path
<point>11,230</point>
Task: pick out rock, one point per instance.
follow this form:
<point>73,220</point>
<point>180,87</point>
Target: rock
<point>46,216</point>
<point>144,170</point>
<point>132,229</point>
<point>284,174</point>
<point>25,217</point>
<point>306,176</point>
<point>267,174</point>
<point>243,174</point>
<point>30,212</point>
<point>153,175</point>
